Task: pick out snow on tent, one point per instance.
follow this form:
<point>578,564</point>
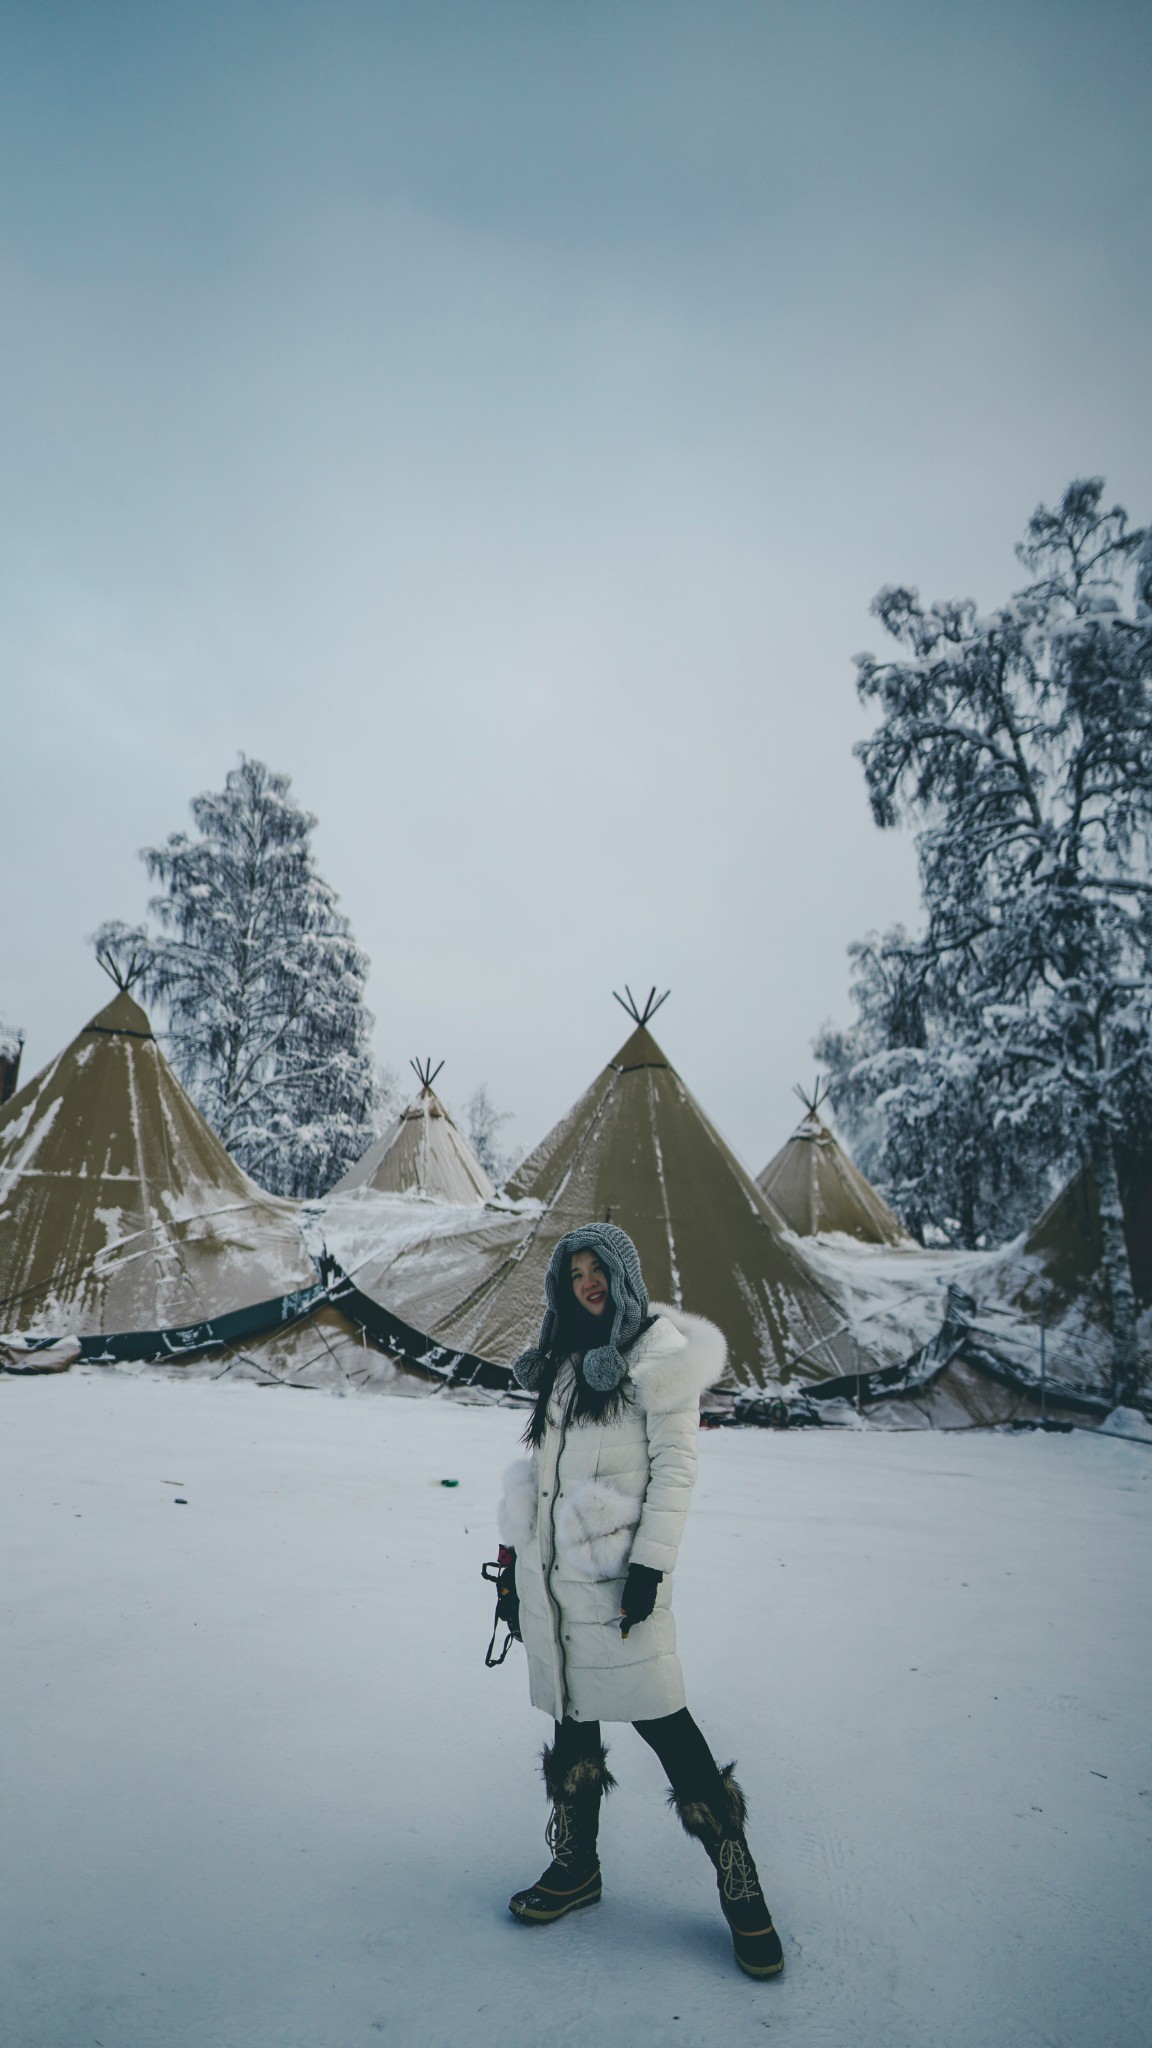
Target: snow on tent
<point>963,1377</point>
<point>422,1153</point>
<point>123,1220</point>
<point>817,1189</point>
<point>1025,1334</point>
<point>946,1339</point>
<point>400,1267</point>
<point>1054,1275</point>
<point>636,1150</point>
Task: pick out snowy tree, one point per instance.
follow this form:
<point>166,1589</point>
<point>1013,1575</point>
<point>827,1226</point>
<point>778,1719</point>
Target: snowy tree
<point>263,985</point>
<point>485,1123</point>
<point>909,1091</point>
<point>390,1096</point>
<point>1020,743</point>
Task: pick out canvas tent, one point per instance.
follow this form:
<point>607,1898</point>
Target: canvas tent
<point>1027,1332</point>
<point>1054,1276</point>
<point>422,1153</point>
<point>636,1150</point>
<point>1065,1244</point>
<point>962,1379</point>
<point>123,1219</point>
<point>817,1189</point>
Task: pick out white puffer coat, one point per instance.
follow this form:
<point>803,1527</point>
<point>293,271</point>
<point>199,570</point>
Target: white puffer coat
<point>596,1497</point>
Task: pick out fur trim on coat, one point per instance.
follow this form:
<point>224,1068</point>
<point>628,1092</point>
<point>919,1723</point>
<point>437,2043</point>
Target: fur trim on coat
<point>677,1360</point>
<point>595,1525</point>
<point>516,1518</point>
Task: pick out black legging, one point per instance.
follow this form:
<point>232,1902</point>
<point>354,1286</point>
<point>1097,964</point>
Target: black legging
<point>692,1770</point>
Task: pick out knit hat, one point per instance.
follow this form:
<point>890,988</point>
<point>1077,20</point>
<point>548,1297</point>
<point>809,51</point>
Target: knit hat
<point>605,1367</point>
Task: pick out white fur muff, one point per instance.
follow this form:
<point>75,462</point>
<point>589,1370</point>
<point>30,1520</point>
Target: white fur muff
<point>595,1525</point>
<point>516,1519</point>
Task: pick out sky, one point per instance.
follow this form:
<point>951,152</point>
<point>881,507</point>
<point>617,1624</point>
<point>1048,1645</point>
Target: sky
<point>499,416</point>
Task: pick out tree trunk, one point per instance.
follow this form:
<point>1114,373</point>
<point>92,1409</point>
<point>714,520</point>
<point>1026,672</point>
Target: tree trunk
<point>968,1229</point>
<point>1117,1271</point>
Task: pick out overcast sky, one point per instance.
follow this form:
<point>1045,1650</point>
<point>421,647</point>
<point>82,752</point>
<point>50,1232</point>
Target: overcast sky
<point>500,417</point>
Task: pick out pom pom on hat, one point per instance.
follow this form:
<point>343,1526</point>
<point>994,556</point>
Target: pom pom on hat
<point>526,1368</point>
<point>604,1368</point>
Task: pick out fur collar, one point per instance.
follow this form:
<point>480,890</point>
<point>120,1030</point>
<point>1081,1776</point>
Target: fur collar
<point>674,1362</point>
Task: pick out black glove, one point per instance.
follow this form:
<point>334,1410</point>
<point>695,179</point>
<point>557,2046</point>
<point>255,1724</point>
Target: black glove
<point>639,1595</point>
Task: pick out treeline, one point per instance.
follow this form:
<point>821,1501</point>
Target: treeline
<point>1009,1042</point>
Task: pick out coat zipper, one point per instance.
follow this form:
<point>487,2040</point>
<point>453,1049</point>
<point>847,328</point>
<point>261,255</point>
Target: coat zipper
<point>562,1434</point>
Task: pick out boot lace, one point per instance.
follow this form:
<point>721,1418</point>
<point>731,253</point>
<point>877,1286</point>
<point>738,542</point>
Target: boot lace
<point>737,1872</point>
<point>558,1835</point>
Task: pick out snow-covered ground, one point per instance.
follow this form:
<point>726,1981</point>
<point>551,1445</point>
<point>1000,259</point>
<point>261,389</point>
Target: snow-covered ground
<point>260,1791</point>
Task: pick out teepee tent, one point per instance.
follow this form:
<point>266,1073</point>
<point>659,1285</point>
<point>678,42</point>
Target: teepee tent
<point>1054,1276</point>
<point>816,1188</point>
<point>422,1153</point>
<point>1065,1242</point>
<point>123,1220</point>
<point>636,1150</point>
<point>1026,1334</point>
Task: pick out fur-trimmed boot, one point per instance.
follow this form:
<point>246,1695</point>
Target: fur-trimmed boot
<point>573,1877</point>
<point>718,1822</point>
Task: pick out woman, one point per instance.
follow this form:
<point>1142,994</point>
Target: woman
<point>590,1526</point>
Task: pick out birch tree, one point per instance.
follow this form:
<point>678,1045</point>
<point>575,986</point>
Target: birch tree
<point>1019,744</point>
<point>485,1124</point>
<point>908,1083</point>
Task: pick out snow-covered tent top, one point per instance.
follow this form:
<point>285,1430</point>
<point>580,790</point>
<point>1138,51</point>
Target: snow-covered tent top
<point>422,1153</point>
<point>636,1150</point>
<point>817,1188</point>
<point>120,1210</point>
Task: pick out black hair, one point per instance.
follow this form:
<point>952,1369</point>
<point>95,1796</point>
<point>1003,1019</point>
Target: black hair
<point>577,1331</point>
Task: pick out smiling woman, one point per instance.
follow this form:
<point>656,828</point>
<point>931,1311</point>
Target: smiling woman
<point>589,1282</point>
<point>590,1528</point>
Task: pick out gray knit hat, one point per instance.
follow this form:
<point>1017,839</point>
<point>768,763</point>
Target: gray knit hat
<point>605,1367</point>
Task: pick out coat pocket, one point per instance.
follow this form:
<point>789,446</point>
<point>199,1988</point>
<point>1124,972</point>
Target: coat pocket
<point>595,1525</point>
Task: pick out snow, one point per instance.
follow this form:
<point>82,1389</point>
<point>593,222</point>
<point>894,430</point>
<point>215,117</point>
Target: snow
<point>20,1353</point>
<point>891,1297</point>
<point>1128,1422</point>
<point>677,1292</point>
<point>366,1229</point>
<point>262,1791</point>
